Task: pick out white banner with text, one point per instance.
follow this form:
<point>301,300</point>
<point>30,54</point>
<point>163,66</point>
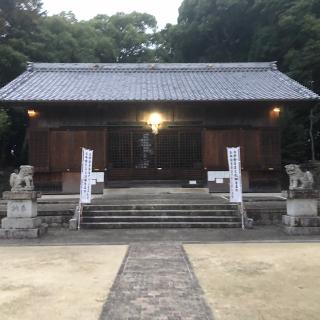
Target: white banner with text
<point>234,161</point>
<point>86,172</point>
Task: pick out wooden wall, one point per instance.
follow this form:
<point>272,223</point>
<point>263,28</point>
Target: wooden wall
<point>260,148</point>
<point>57,134</point>
<point>60,150</point>
<point>207,114</point>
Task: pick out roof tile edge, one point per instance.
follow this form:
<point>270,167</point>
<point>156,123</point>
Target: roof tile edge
<point>250,66</point>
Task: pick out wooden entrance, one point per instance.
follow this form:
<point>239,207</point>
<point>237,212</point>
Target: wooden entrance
<point>140,155</point>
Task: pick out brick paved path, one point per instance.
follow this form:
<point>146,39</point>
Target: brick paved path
<point>156,282</point>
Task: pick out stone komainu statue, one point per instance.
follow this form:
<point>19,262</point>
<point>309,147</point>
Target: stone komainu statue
<point>22,180</point>
<point>298,179</point>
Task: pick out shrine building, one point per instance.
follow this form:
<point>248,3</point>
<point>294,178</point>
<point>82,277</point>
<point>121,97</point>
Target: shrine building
<point>156,122</point>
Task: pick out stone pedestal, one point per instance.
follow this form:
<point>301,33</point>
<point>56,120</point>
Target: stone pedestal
<point>302,213</point>
<point>21,221</point>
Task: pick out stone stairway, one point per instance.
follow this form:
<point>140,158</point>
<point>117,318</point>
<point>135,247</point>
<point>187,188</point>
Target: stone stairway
<point>160,211</point>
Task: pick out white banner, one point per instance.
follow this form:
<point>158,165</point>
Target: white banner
<point>86,172</point>
<point>234,161</point>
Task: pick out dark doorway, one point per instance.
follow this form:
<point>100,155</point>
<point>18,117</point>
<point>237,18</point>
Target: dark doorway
<point>139,154</point>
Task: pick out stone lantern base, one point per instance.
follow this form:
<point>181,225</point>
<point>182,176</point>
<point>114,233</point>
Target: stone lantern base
<point>22,220</point>
<point>302,213</point>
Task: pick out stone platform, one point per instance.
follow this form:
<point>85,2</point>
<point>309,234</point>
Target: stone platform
<point>302,213</point>
<point>301,225</point>
<point>57,210</point>
<point>23,233</point>
<point>22,221</point>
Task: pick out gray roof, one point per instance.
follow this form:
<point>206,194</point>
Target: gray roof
<point>55,82</point>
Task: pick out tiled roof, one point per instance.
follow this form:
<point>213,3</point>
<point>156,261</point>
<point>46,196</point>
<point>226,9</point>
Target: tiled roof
<point>153,82</point>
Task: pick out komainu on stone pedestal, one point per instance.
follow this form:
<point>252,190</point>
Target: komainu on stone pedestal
<point>22,219</point>
<point>22,180</point>
<point>302,216</point>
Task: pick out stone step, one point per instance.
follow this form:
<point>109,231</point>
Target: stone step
<point>160,213</point>
<point>159,203</point>
<point>164,212</point>
<point>160,218</point>
<point>152,199</point>
<point>143,193</point>
<point>145,225</point>
<point>153,206</point>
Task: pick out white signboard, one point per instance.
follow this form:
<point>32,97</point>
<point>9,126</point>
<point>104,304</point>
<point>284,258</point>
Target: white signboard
<point>97,177</point>
<point>86,172</point>
<point>213,175</point>
<point>234,161</point>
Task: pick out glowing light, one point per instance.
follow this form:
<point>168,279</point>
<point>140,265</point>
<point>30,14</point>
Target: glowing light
<point>32,113</point>
<point>155,121</point>
<point>276,110</point>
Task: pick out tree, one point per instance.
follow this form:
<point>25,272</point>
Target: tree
<point>129,37</point>
<point>207,30</point>
<point>19,22</point>
<point>256,30</point>
<point>12,63</point>
<point>213,30</point>
<point>19,18</point>
<point>19,26</point>
<point>27,34</point>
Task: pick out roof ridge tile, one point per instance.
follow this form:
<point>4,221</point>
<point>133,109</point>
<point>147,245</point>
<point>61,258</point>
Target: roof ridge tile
<point>54,82</point>
<point>143,67</point>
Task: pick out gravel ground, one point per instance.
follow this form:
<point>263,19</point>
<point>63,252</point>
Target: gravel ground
<point>59,282</point>
<point>278,281</point>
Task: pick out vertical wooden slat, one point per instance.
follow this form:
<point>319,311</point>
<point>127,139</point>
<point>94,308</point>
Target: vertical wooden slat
<point>227,138</point>
<point>60,150</point>
<point>250,148</point>
<point>78,139</point>
<point>259,148</point>
<point>39,150</point>
<point>95,140</point>
<point>215,147</point>
<point>65,151</point>
<point>270,148</point>
<point>210,149</point>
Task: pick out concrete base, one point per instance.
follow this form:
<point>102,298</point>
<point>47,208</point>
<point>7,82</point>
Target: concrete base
<point>302,207</point>
<point>301,231</point>
<point>302,213</point>
<point>21,223</point>
<point>21,204</point>
<point>21,195</point>
<point>22,209</point>
<point>73,224</point>
<point>23,233</point>
<point>301,221</point>
<point>301,225</point>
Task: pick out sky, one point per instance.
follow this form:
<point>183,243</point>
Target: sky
<point>165,11</point>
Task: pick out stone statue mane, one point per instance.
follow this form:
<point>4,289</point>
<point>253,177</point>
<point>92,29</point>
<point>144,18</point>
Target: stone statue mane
<point>299,180</point>
<point>22,180</point>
